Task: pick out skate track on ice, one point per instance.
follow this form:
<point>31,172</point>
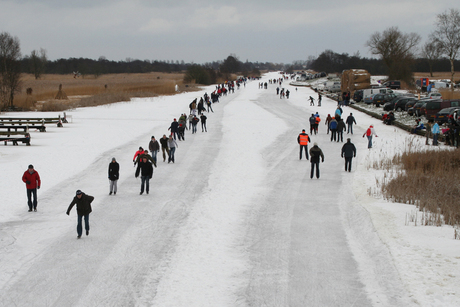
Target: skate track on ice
<point>236,221</point>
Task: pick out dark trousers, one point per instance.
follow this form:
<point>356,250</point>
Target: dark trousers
<point>340,136</point>
<point>30,192</point>
<point>313,169</point>
<point>165,149</point>
<point>145,182</point>
<point>306,151</point>
<point>79,225</point>
<point>348,163</point>
<point>203,127</point>
<point>435,138</point>
<point>350,128</point>
<point>333,134</point>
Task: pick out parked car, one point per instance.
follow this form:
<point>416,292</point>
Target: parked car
<point>369,99</point>
<point>415,109</point>
<point>393,84</point>
<point>379,99</point>
<point>433,106</point>
<point>410,104</point>
<point>434,95</point>
<point>443,115</point>
<point>399,103</point>
<point>358,95</point>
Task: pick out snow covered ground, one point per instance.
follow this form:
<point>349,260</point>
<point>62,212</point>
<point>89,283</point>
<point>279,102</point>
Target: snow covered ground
<point>236,221</point>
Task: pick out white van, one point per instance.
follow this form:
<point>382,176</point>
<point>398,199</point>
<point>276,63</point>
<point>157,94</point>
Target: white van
<point>371,91</point>
<point>332,86</point>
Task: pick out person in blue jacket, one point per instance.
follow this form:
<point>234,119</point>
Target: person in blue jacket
<point>435,130</point>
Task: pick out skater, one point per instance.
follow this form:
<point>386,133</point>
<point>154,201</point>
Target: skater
<point>164,146</point>
<point>303,140</point>
<point>172,148</point>
<point>181,131</point>
<point>147,156</point>
<point>369,133</point>
<point>174,128</point>
<point>190,119</point>
<point>146,171</point>
<point>319,99</point>
<point>203,123</point>
<point>154,147</point>
<point>32,181</point>
<point>287,94</point>
<point>348,152</point>
<point>312,101</point>
<point>315,154</point>
<point>333,127</point>
<point>83,203</point>
<point>317,121</point>
<point>114,169</point>
<point>195,121</point>
<point>312,121</point>
<point>137,154</point>
<point>208,102</point>
<point>350,121</point>
<point>328,122</point>
<point>340,129</point>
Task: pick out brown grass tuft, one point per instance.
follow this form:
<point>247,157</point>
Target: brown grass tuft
<point>429,180</point>
<point>104,89</point>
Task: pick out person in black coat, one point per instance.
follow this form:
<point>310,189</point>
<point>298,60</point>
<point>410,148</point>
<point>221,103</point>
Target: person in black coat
<point>350,121</point>
<point>164,146</point>
<point>145,169</point>
<point>114,169</point>
<point>203,123</point>
<point>348,152</point>
<point>315,154</point>
<point>83,203</point>
<point>174,128</point>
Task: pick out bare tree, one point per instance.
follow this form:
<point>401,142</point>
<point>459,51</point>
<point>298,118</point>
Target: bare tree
<point>397,51</point>
<point>447,35</point>
<point>10,54</point>
<point>38,61</point>
<point>431,51</point>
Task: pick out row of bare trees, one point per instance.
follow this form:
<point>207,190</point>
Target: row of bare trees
<point>398,50</point>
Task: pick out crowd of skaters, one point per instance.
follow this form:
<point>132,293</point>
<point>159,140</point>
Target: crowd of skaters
<point>337,124</point>
<point>144,159</point>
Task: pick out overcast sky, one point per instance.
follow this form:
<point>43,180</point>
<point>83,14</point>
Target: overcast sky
<point>202,31</point>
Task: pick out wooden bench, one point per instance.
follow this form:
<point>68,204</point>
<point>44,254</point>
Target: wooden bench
<point>11,134</point>
<point>35,122</point>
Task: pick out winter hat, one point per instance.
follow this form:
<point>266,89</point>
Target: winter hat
<point>31,166</point>
<point>315,144</point>
<point>140,148</point>
<point>113,159</point>
<point>371,126</point>
<point>79,192</point>
<point>153,137</point>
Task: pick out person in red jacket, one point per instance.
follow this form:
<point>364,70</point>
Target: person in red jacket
<point>32,181</point>
<point>138,153</point>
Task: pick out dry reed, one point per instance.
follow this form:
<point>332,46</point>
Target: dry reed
<point>429,180</point>
<point>104,89</point>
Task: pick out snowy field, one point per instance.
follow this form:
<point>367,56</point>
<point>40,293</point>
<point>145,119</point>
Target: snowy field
<point>236,221</point>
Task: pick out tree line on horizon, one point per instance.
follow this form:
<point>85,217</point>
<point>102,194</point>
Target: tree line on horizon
<point>397,53</point>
